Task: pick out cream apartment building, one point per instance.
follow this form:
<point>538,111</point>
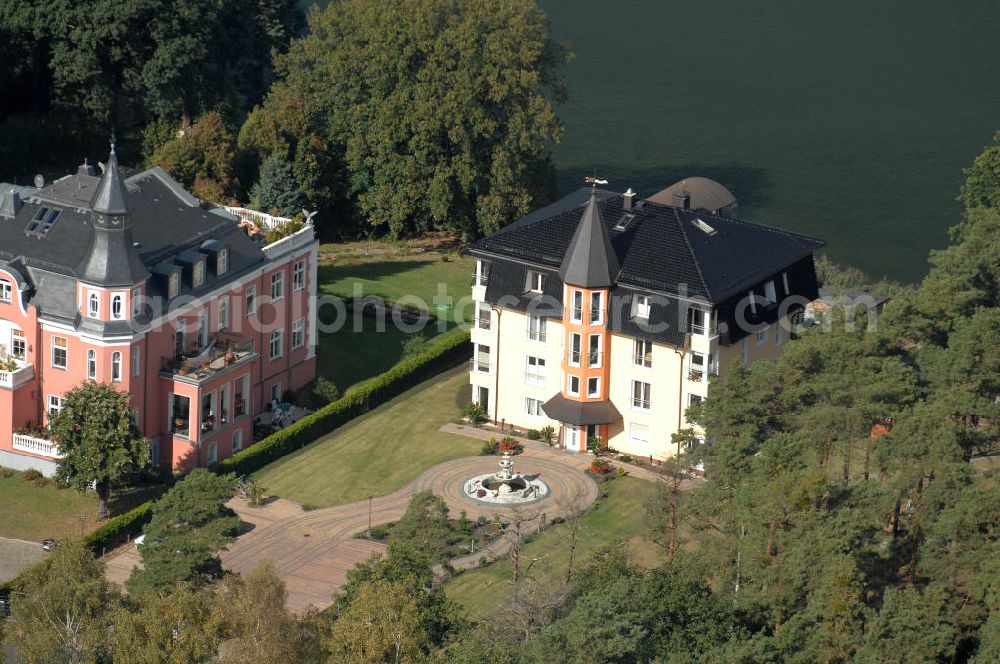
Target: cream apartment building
<point>603,315</point>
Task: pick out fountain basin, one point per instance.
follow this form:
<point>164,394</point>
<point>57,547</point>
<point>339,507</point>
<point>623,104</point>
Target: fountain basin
<point>518,490</point>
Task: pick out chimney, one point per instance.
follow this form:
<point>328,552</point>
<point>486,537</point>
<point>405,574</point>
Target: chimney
<point>627,201</point>
<point>681,199</point>
<point>86,169</point>
<point>10,204</point>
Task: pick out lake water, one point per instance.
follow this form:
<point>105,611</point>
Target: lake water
<point>845,119</point>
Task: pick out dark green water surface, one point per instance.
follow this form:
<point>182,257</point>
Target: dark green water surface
<point>845,119</point>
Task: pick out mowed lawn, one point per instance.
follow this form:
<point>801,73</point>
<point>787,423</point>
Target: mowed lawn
<point>356,350</point>
<point>378,452</point>
<point>619,517</point>
<point>34,513</point>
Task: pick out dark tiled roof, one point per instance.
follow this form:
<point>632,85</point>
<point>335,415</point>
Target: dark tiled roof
<point>663,249</point>
<point>580,412</point>
<point>590,260</point>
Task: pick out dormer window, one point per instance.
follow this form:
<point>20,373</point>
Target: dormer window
<point>6,291</point>
<point>642,306</point>
<point>222,261</point>
<point>118,306</point>
<point>93,306</point>
<point>136,302</point>
<point>769,293</point>
<point>174,286</point>
<point>535,281</point>
<point>198,274</point>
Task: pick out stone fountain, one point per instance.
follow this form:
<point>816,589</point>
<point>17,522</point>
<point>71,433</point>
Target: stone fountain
<point>505,487</point>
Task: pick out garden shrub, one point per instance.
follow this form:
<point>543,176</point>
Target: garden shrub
<point>534,434</point>
<point>325,390</point>
<point>510,444</point>
<point>409,372</point>
<point>476,413</point>
<point>7,472</point>
<point>547,434</point>
<point>490,447</point>
<point>600,466</point>
<point>41,481</point>
<point>116,530</point>
<point>31,474</point>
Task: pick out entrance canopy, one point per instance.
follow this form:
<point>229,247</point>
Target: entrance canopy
<point>579,412</point>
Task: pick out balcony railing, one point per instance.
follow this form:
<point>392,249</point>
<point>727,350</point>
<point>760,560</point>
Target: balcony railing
<point>594,358</point>
<point>226,350</point>
<point>480,365</point>
<point>17,377</point>
<point>643,360</point>
<point>483,322</point>
<point>642,404</point>
<point>596,315</point>
<point>536,335</point>
<point>576,314</point>
<point>40,446</point>
<point>534,378</point>
<point>573,356</point>
<point>479,279</point>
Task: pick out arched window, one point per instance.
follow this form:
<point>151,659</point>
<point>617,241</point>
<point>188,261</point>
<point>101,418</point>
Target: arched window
<point>93,307</point>
<point>117,309</point>
<point>92,364</point>
<point>116,367</point>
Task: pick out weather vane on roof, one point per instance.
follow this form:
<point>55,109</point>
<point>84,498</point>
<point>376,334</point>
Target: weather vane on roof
<point>593,181</point>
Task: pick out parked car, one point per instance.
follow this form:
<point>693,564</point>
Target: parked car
<point>48,544</point>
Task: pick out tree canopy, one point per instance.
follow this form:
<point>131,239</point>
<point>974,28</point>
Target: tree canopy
<point>439,113</point>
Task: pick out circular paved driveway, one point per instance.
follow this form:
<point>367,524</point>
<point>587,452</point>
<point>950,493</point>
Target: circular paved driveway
<point>312,551</point>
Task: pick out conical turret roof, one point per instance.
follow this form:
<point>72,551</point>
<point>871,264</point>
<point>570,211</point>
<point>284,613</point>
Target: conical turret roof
<point>590,260</point>
<point>109,198</point>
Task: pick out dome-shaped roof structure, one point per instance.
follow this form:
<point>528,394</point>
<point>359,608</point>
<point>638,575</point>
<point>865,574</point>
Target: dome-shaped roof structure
<point>700,194</point>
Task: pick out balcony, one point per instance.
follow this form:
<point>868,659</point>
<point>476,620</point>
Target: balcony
<point>483,322</point>
<point>224,352</point>
<point>482,366</point>
<point>536,335</point>
<point>644,360</point>
<point>479,279</point>
<point>42,447</point>
<point>12,378</point>
<point>532,378</point>
<point>573,356</point>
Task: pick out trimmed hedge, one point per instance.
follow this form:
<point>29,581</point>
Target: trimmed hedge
<point>119,529</point>
<point>444,355</point>
<point>406,374</point>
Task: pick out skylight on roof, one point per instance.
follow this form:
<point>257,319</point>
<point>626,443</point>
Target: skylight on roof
<point>703,227</point>
<point>624,221</point>
<point>42,222</point>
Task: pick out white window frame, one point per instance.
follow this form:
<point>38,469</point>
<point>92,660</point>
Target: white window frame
<point>198,274</point>
<point>64,347</point>
<point>278,286</point>
<point>576,305</point>
<point>533,407</point>
<point>753,302</point>
<point>276,341</point>
<point>769,292</point>
<point>250,298</point>
<point>534,370</point>
<point>17,335</point>
<point>174,285</point>
<point>222,261</point>
<point>116,367</point>
<point>299,275</point>
<point>570,378</point>
<point>237,440</point>
<point>212,455</point>
<point>202,339</point>
<point>91,364</point>
<point>136,359</point>
<point>6,291</point>
<point>569,351</point>
<point>633,428</point>
<point>276,392</point>
<point>762,336</point>
<point>536,328</point>
<point>643,305</point>
<point>600,350</point>
<point>646,394</point>
<point>54,405</point>
<point>596,392</point>
<point>223,313</point>
<point>298,333</point>
<point>93,304</point>
<point>600,308</point>
<point>640,355</point>
<point>118,306</point>
<point>777,334</point>
<point>536,281</point>
<point>692,398</point>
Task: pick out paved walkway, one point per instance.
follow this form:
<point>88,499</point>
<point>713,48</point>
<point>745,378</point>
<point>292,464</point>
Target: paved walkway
<point>17,555</point>
<point>312,551</point>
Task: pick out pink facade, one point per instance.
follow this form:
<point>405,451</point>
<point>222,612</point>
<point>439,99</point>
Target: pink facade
<point>201,338</point>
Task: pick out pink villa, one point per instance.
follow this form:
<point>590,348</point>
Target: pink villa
<point>137,283</point>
